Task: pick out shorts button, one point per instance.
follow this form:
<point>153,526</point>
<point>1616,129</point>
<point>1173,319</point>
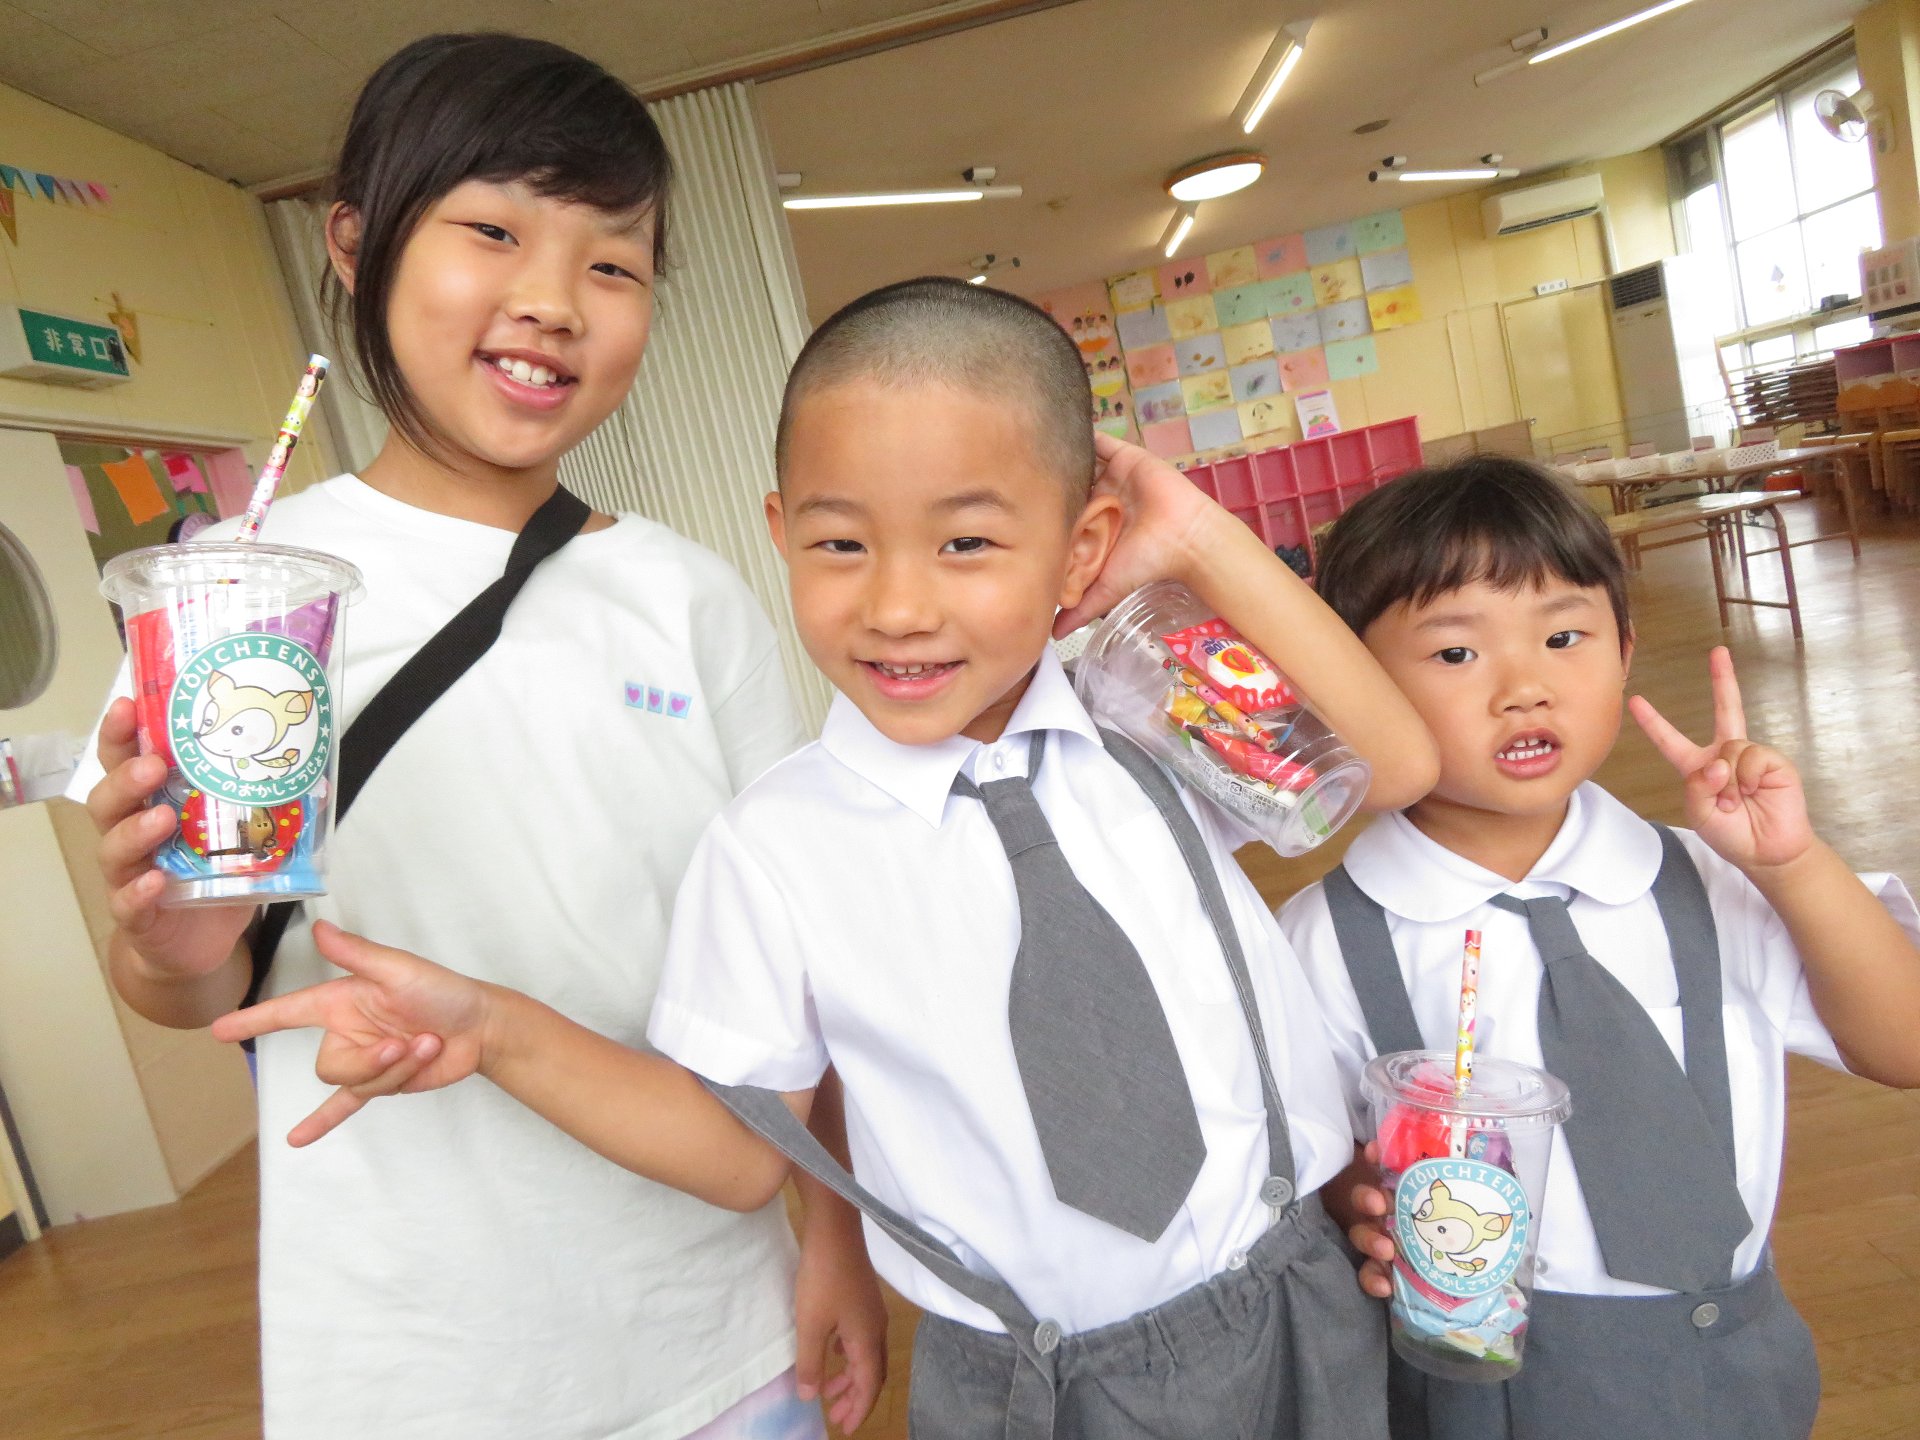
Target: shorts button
<point>1046,1337</point>
<point>1704,1316</point>
<point>1277,1191</point>
<point>1237,1260</point>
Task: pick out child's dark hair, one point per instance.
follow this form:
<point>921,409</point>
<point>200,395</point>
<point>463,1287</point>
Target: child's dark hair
<point>1507,522</point>
<point>940,330</point>
<point>452,108</point>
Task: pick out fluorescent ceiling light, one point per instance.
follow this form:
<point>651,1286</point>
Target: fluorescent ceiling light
<point>1177,230</point>
<point>1275,66</point>
<point>1215,176</point>
<point>1476,173</point>
<point>1651,13</point>
<point>946,196</point>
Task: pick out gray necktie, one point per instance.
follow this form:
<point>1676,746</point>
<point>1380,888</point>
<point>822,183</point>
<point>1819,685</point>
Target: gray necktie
<point>1104,1082</point>
<point>1659,1181</point>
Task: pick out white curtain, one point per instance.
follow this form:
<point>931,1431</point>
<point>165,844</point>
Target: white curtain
<point>692,447</point>
<point>356,428</point>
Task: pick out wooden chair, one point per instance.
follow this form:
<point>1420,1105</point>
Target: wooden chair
<point>1707,517</point>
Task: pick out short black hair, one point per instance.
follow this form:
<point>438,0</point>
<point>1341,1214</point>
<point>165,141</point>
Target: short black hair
<point>1488,517</point>
<point>940,330</point>
<point>500,108</point>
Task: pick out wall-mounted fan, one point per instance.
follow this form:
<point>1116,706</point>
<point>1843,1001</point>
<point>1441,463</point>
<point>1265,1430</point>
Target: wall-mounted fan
<point>1844,116</point>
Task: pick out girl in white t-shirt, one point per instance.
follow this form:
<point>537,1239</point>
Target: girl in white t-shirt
<point>459,1269</point>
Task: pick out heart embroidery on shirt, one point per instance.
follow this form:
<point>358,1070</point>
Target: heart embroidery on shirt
<point>656,700</point>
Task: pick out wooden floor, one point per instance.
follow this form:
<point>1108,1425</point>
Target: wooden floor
<point>143,1325</point>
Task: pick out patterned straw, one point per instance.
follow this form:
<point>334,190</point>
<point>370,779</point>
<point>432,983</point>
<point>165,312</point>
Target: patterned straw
<point>283,443</point>
<point>1469,1007</point>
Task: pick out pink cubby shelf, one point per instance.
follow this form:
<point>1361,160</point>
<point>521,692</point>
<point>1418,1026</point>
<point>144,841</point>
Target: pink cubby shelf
<point>1284,492</point>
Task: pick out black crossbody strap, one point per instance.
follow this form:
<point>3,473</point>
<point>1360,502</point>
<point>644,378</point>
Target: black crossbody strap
<point>431,671</point>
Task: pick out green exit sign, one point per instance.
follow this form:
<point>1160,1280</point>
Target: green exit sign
<point>36,345</point>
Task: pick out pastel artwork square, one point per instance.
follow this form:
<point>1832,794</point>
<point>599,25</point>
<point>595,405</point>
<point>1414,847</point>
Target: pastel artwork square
<point>1154,365</point>
<point>1192,316</point>
<point>1229,268</point>
<point>1282,255</point>
<point>678,705</point>
<point>656,700</point>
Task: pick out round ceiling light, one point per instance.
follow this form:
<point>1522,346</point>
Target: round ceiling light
<point>1215,176</point>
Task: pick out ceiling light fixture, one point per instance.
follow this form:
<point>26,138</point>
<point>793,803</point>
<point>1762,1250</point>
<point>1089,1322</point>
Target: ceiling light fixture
<point>945,196</point>
<point>1214,176</point>
<point>1178,229</point>
<point>1537,51</point>
<point>976,279</point>
<point>1477,172</point>
<point>1650,13</point>
<point>1275,66</point>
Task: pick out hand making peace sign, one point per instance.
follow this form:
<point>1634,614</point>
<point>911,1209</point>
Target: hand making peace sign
<point>1743,799</point>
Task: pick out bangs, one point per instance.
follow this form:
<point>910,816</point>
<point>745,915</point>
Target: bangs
<point>1486,519</point>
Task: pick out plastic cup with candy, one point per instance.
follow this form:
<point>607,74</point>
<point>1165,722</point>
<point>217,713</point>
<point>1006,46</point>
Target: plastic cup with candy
<point>1466,1173</point>
<point>1179,681</point>
<point>235,657</point>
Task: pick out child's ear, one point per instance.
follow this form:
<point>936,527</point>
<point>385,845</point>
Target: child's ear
<point>343,242</point>
<point>1095,532</point>
<point>1626,651</point>
<point>777,522</point>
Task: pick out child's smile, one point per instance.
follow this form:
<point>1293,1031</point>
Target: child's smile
<point>528,377</point>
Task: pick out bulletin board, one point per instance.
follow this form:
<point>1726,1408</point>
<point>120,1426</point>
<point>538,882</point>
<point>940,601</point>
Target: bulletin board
<point>128,496</point>
<point>1204,357</point>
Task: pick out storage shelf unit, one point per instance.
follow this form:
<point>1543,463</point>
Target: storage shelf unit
<point>1283,493</point>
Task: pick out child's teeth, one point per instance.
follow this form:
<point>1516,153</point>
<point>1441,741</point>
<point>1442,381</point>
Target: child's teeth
<point>522,370</point>
<point>543,376</point>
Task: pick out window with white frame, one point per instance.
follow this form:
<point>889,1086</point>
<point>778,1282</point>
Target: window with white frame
<point>1779,211</point>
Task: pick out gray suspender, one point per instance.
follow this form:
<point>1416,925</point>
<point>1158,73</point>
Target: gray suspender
<point>1035,1382</point>
<point>1366,945</point>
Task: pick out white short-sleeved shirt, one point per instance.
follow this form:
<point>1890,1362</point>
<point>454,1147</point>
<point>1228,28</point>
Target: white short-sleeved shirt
<point>1603,863</point>
<point>846,908</point>
<point>449,1266</point>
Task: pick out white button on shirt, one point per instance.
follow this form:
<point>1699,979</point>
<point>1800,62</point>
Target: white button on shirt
<point>1603,863</point>
<point>847,907</point>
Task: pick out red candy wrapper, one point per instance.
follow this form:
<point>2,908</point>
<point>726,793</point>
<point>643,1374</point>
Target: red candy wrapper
<point>1214,650</point>
<point>1259,764</point>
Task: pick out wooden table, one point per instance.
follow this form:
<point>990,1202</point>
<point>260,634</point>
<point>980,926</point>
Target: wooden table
<point>1708,517</point>
<point>1626,494</point>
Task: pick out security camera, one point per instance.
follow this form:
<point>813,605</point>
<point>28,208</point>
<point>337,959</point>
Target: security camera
<point>979,174</point>
<point>1393,162</point>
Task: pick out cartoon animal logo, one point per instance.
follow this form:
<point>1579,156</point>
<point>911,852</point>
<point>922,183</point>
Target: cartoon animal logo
<point>1452,1230</point>
<point>246,725</point>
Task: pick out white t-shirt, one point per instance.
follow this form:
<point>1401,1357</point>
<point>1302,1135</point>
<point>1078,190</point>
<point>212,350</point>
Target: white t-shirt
<point>847,908</point>
<point>449,1265</point>
<point>1603,863</point>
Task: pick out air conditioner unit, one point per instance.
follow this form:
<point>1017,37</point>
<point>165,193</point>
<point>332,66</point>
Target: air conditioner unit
<point>1538,205</point>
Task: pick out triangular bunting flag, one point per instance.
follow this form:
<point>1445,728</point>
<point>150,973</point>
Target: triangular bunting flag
<point>7,222</point>
<point>10,177</point>
<point>97,190</point>
<point>48,185</point>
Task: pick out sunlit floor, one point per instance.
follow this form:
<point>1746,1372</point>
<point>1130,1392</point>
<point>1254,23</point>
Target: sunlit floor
<point>143,1325</point>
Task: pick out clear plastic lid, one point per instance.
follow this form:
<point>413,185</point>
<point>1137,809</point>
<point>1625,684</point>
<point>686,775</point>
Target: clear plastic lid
<point>300,574</point>
<point>1504,1090</point>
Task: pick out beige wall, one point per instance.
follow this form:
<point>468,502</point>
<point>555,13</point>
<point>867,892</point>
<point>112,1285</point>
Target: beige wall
<point>1887,38</point>
<point>150,1110</point>
<point>1488,350</point>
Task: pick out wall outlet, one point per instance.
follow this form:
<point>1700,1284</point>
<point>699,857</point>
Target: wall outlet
<point>1549,287</point>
